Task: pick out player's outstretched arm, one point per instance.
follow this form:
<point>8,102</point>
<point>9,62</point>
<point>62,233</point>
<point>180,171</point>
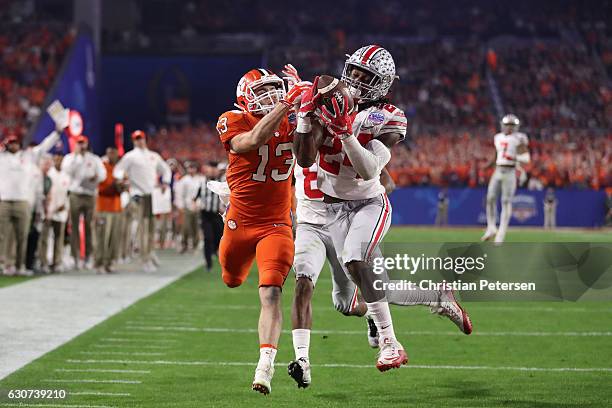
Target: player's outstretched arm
<point>387,181</point>
<point>305,144</point>
<point>265,128</point>
<point>261,133</point>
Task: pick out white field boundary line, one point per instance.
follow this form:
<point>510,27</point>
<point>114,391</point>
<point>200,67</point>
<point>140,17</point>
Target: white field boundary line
<point>125,340</point>
<point>101,394</point>
<point>124,346</point>
<point>23,404</point>
<point>470,305</point>
<point>360,333</point>
<point>90,380</point>
<point>100,370</point>
<point>366,366</point>
<point>122,353</point>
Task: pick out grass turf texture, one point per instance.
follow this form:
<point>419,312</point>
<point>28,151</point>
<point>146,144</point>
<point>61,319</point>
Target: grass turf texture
<point>187,322</point>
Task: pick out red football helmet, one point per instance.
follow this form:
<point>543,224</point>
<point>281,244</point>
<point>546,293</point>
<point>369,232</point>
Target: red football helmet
<point>259,101</point>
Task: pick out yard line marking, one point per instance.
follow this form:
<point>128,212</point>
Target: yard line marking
<point>147,335</point>
<point>88,380</point>
<point>100,370</point>
<point>122,340</point>
<point>23,404</point>
<point>123,353</point>
<point>137,322</point>
<point>128,346</point>
<point>338,365</point>
<point>358,332</point>
<point>105,394</point>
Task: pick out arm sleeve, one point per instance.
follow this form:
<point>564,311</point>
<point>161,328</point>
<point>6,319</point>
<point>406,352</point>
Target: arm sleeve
<point>367,161</point>
<point>121,167</point>
<point>100,170</point>
<point>68,166</point>
<point>46,144</point>
<point>231,124</point>
<point>164,170</point>
<point>395,122</point>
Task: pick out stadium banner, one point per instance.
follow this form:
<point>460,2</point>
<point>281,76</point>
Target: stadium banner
<point>76,88</point>
<point>488,272</point>
<point>466,206</point>
<point>171,90</point>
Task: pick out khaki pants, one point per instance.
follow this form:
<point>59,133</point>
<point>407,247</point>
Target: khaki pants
<point>127,217</point>
<point>550,215</point>
<point>15,224</point>
<point>81,204</point>
<point>146,226</point>
<point>108,231</point>
<point>57,227</point>
<point>190,228</point>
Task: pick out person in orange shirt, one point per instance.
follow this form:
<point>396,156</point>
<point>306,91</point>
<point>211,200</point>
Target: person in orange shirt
<point>259,140</point>
<point>108,215</point>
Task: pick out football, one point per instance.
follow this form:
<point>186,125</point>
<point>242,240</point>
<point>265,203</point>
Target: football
<point>332,88</point>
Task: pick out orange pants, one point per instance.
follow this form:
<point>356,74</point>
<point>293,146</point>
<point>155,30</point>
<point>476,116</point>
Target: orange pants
<point>270,244</point>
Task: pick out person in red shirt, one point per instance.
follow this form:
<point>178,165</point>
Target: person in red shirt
<point>259,140</point>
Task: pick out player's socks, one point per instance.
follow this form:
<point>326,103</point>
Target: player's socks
<point>267,354</point>
<point>301,343</point>
<point>504,220</point>
<point>413,297</point>
<point>382,318</point>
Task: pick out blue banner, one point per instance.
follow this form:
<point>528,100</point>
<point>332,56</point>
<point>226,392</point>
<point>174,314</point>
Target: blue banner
<point>76,88</point>
<point>466,206</point>
<point>140,90</point>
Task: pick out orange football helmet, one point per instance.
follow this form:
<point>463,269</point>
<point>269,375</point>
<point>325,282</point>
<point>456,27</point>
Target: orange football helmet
<point>252,99</point>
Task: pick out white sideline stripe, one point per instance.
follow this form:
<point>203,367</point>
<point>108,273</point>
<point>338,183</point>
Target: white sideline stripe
<point>105,394</point>
<point>23,404</point>
<point>122,353</point>
<point>88,380</point>
<point>121,340</point>
<point>369,366</point>
<point>123,346</point>
<point>100,370</point>
<point>471,306</point>
<point>357,332</point>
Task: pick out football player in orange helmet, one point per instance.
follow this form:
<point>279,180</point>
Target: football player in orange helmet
<point>258,138</point>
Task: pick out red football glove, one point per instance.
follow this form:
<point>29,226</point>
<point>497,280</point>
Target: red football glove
<point>294,94</point>
<point>340,122</point>
<point>309,99</point>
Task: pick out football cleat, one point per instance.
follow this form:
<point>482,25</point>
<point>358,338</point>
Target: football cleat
<point>372,332</point>
<point>489,233</point>
<point>299,370</point>
<point>391,355</point>
<point>449,307</point>
<point>263,378</point>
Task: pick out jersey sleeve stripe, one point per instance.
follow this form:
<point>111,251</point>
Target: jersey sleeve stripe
<point>396,123</point>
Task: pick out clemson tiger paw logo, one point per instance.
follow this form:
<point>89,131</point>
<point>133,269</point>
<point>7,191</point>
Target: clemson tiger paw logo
<point>231,224</point>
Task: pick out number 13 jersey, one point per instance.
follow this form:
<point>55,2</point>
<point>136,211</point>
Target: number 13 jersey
<point>336,176</point>
<point>259,180</point>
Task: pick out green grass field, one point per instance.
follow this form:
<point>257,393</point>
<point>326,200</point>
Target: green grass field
<point>194,344</point>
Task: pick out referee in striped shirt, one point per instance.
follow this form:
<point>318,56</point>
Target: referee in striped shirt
<point>212,223</point>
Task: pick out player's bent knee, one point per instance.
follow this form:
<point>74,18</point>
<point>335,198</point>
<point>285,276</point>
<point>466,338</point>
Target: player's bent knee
<point>232,281</point>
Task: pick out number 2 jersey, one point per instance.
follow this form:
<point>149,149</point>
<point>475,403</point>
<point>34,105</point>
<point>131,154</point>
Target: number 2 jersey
<point>259,180</point>
<point>506,147</point>
<point>310,207</point>
<point>336,176</point>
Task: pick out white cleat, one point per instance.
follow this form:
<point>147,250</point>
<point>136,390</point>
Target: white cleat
<point>449,307</point>
<point>372,333</point>
<point>149,267</point>
<point>489,233</point>
<point>391,355</point>
<point>299,370</point>
<point>263,378</point>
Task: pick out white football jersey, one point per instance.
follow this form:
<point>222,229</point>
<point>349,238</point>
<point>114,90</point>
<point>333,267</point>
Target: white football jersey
<point>506,146</point>
<point>310,207</point>
<point>336,176</point>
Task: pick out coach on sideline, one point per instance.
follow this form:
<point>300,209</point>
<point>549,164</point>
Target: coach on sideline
<point>15,211</point>
<point>143,168</point>
<point>86,171</point>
